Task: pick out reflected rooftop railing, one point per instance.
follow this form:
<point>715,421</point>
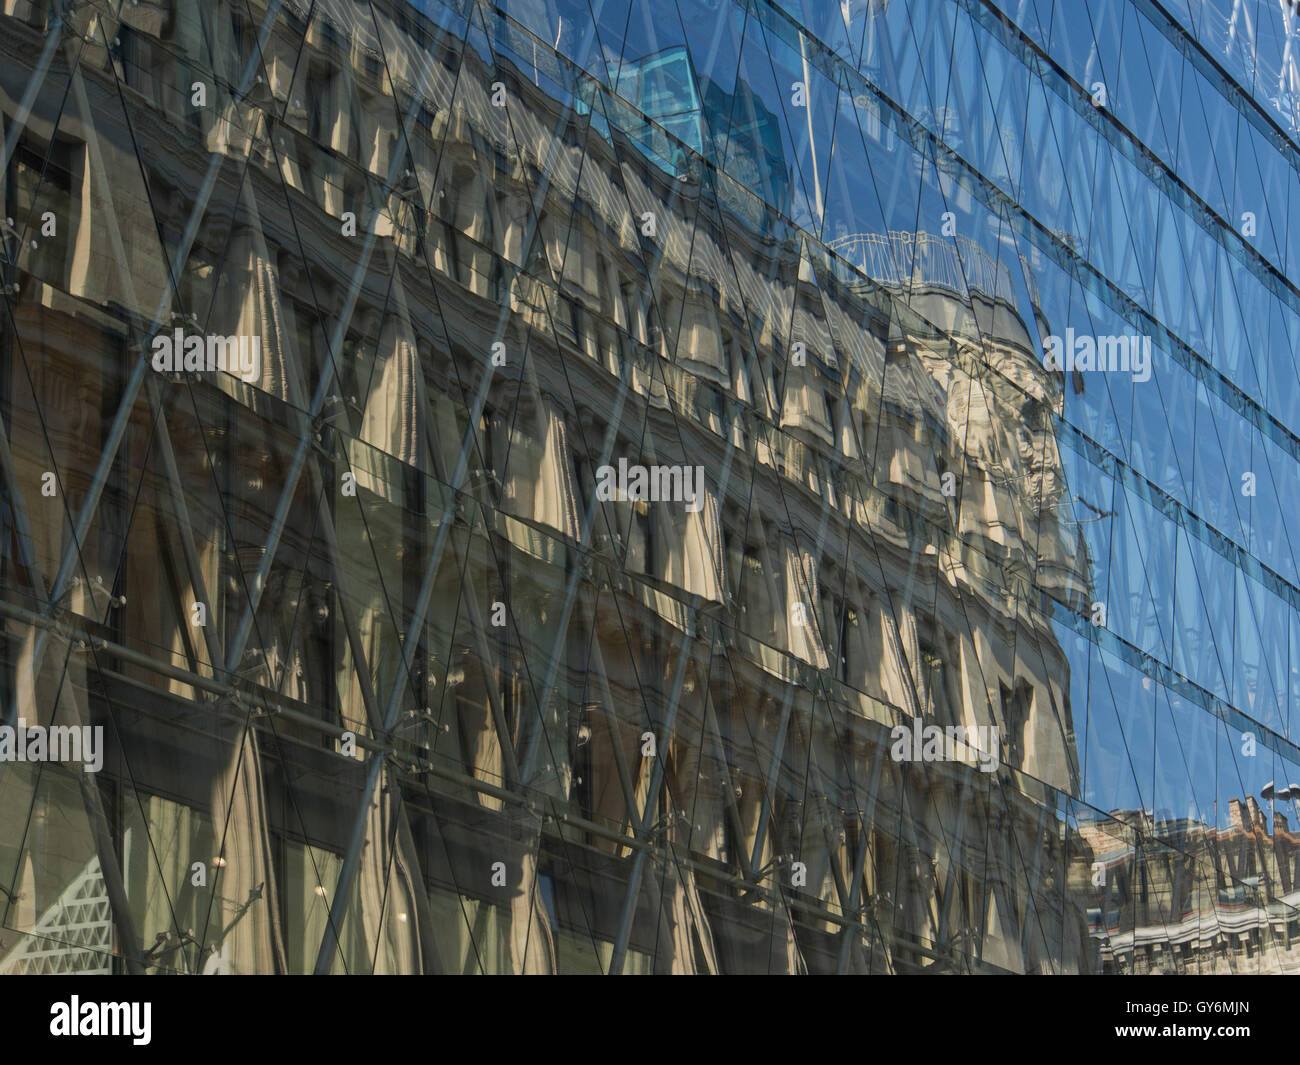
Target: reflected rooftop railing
<point>899,259</point>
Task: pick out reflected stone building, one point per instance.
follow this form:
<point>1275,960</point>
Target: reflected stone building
<point>385,686</point>
<point>1157,910</point>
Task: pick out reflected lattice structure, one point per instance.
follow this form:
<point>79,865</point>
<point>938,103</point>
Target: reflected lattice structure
<point>385,684</point>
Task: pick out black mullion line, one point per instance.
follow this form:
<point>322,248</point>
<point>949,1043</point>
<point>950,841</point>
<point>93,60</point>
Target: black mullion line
<point>235,787</point>
<point>789,126</point>
<point>1038,828</point>
<point>433,798</point>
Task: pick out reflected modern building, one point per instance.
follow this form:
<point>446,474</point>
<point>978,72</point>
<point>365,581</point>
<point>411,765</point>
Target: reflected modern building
<point>385,683</point>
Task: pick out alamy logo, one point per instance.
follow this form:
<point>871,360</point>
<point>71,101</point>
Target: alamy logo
<point>177,353</point>
<point>652,484</point>
<point>58,743</point>
<point>102,1018</point>
<point>1082,352</point>
<point>931,743</point>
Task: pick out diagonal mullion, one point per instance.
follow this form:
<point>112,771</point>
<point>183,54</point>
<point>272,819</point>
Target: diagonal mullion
<point>180,511</point>
<point>612,723</point>
<point>645,826</point>
<point>471,603</point>
<point>823,807</point>
<point>859,870</point>
<point>724,770</point>
<point>774,769</point>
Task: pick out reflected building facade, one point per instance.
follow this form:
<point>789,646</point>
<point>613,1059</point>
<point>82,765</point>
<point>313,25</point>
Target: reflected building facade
<point>387,685</point>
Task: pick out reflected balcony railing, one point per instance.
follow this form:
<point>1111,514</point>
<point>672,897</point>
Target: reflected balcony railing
<point>900,259</point>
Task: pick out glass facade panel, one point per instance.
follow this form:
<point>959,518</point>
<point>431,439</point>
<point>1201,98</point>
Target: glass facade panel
<point>725,486</point>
